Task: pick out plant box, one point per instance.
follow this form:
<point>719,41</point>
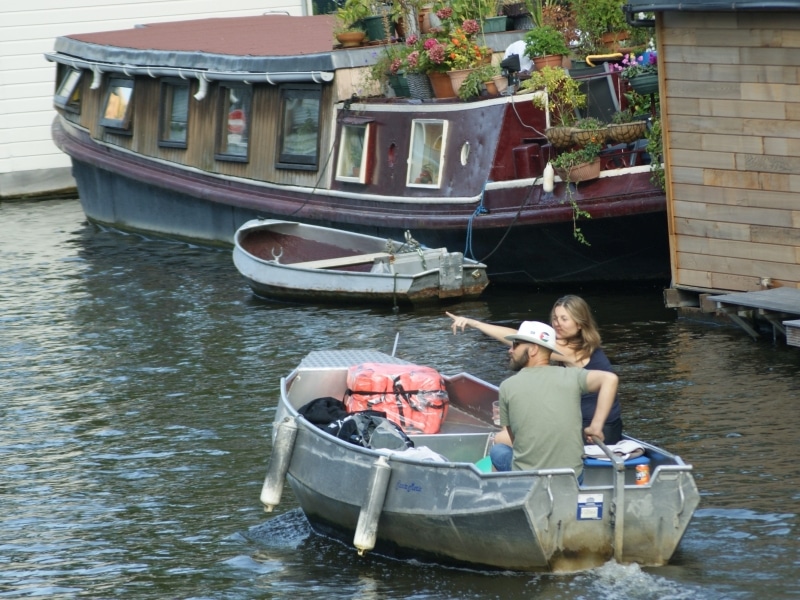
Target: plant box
<point>578,173</point>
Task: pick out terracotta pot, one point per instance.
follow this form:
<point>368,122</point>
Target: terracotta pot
<point>440,82</point>
<point>501,83</point>
<point>457,77</point>
<point>551,60</point>
<point>351,39</point>
<point>491,88</point>
<point>583,172</point>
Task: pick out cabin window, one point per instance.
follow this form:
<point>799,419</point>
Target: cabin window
<point>427,153</point>
<point>353,145</point>
<point>174,111</point>
<point>234,134</point>
<point>68,94</point>
<point>118,106</point>
<point>299,133</point>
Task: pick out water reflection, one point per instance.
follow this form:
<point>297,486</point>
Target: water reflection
<point>139,379</point>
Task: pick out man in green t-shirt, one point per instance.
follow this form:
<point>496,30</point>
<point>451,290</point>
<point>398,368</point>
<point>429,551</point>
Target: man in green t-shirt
<point>540,406</point>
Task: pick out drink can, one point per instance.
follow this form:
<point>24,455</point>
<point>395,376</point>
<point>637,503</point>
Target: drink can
<point>642,474</point>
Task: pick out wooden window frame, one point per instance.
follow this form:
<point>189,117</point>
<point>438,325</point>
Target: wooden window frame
<point>166,112</point>
<point>227,129</point>
<point>120,124</point>
<point>285,159</point>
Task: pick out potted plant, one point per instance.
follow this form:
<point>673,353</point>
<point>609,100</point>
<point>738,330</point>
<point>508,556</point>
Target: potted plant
<point>641,71</point>
<point>580,164</point>
<point>476,80</point>
<point>348,29</point>
<point>546,46</point>
<point>589,130</point>
<point>625,127</point>
<point>563,97</point>
<point>598,18</point>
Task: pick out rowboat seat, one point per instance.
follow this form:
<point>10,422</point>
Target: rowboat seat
<point>340,261</point>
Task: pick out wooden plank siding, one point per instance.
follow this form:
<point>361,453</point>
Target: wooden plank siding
<point>201,139</point>
<point>730,98</point>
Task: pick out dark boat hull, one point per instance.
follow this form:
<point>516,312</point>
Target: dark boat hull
<point>535,247</point>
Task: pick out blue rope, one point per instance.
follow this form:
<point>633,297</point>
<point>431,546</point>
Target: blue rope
<point>479,210</point>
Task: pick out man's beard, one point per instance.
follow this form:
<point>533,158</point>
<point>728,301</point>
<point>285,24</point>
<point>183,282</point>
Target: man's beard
<point>517,363</point>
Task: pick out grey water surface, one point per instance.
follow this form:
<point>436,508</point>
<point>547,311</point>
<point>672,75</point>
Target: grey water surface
<point>139,380</point>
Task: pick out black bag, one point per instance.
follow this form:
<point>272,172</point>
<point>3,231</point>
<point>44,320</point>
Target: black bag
<point>322,411</point>
<point>370,429</point>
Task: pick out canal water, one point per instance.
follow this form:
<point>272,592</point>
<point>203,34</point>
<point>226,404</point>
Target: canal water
<point>139,380</point>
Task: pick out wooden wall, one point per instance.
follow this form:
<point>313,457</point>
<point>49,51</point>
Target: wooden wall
<point>201,142</point>
<point>730,93</point>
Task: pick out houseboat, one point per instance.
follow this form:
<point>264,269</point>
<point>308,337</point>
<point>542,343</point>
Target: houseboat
<point>189,129</point>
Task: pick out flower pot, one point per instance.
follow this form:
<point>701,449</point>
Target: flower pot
<point>399,84</point>
<point>440,84</point>
<point>583,172</point>
<point>501,83</point>
<point>457,77</point>
<point>375,26</point>
<point>582,137</point>
<point>494,24</point>
<point>551,60</point>
<point>646,83</point>
<point>351,39</point>
<point>491,88</point>
<point>625,133</point>
<point>560,137</point>
<point>419,86</point>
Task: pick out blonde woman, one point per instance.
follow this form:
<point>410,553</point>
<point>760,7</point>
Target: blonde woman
<point>578,340</point>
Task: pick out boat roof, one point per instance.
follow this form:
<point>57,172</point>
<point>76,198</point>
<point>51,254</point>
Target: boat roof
<point>266,43</point>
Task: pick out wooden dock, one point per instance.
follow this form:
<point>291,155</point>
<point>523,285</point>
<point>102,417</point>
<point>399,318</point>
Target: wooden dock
<point>779,306</point>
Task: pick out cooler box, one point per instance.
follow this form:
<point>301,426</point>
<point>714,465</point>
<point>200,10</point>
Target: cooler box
<point>601,472</point>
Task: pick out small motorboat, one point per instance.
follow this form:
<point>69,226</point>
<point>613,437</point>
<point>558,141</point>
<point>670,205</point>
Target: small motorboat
<point>295,261</point>
<point>453,510</point>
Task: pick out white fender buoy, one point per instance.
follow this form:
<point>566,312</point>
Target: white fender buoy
<point>548,178</point>
<point>278,464</point>
<point>367,527</point>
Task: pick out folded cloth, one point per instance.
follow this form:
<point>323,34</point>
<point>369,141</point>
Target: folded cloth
<point>625,449</point>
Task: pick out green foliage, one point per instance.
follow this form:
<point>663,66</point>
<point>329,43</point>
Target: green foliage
<point>545,41</point>
<point>473,84</point>
<point>589,123</point>
<point>475,9</point>
<point>350,14</point>
<point>579,156</point>
<point>655,149</point>
<point>596,17</point>
<point>564,95</point>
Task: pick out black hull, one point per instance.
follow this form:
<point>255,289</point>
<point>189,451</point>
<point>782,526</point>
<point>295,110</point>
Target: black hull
<point>539,248</point>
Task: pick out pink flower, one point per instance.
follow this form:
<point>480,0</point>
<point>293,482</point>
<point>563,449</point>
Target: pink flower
<point>430,43</point>
<point>411,40</point>
<point>395,66</point>
<point>444,13</point>
<point>413,59</point>
<point>471,27</point>
<point>436,53</point>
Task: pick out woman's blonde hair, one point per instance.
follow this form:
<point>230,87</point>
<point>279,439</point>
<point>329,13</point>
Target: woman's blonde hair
<point>588,338</point>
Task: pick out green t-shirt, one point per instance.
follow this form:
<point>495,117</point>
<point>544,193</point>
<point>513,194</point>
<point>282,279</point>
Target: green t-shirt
<point>542,405</point>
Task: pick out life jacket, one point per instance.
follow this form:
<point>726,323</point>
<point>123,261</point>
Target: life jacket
<point>412,396</point>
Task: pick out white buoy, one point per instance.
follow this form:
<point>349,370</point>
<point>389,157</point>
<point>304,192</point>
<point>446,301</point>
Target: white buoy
<point>278,464</point>
<point>367,527</point>
<point>548,178</point>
